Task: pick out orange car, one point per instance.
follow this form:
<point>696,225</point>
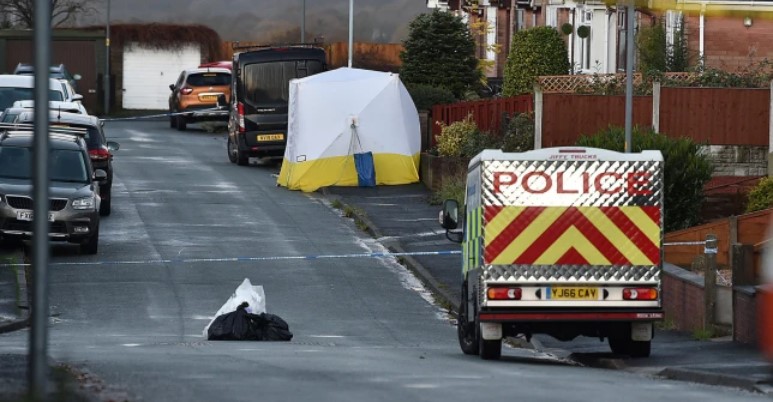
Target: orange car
<point>194,96</point>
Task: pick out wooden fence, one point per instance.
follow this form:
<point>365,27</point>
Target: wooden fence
<point>489,114</point>
<point>566,117</point>
<point>748,229</point>
<point>716,116</point>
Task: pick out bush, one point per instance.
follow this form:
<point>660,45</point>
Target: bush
<point>686,170</point>
<point>534,52</point>
<point>761,197</point>
<point>425,96</point>
<point>519,133</point>
<point>452,136</point>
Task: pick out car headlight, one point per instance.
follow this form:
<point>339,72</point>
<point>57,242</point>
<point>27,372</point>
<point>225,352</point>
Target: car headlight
<point>84,203</point>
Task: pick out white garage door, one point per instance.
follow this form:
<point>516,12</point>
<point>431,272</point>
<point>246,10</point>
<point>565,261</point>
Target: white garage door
<point>148,72</point>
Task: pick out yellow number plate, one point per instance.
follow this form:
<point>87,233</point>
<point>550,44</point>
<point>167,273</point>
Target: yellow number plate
<point>208,98</point>
<point>271,137</point>
<point>566,293</point>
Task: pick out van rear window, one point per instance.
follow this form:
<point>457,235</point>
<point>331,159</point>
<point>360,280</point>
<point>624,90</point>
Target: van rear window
<point>209,79</point>
<point>268,83</point>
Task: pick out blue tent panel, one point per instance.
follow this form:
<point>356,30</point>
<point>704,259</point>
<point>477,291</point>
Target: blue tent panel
<point>366,172</point>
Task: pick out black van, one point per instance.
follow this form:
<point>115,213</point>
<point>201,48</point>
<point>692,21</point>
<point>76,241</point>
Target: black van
<point>257,124</point>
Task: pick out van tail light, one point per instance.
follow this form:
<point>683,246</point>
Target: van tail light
<point>503,293</point>
<point>186,90</point>
<point>240,116</point>
<point>640,294</point>
<point>99,154</point>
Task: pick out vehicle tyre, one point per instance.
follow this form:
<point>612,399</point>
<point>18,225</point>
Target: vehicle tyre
<point>468,340</point>
<point>104,207</point>
<point>181,123</point>
<point>236,156</point>
<point>91,245</point>
<point>172,121</point>
<point>621,343</point>
<point>488,350</point>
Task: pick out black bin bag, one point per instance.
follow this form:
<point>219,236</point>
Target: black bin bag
<point>271,327</point>
<point>233,326</point>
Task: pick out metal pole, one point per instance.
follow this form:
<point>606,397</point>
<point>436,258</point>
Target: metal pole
<point>710,282</point>
<point>107,62</point>
<point>38,354</point>
<point>351,30</point>
<point>303,23</point>
<point>629,75</point>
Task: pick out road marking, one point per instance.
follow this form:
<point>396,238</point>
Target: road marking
<point>243,259</point>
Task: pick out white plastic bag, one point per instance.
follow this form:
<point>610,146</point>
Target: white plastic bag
<point>253,295</point>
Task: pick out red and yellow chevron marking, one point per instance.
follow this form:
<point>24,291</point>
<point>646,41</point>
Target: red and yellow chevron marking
<point>628,235</point>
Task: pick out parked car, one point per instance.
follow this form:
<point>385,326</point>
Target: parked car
<point>69,107</point>
<point>100,150</point>
<point>74,203</point>
<point>9,114</point>
<point>69,92</point>
<point>196,91</point>
<point>59,71</point>
<point>219,64</point>
<point>21,87</point>
<point>257,124</point>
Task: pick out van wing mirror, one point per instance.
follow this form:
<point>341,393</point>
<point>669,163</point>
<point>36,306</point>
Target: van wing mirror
<point>449,216</point>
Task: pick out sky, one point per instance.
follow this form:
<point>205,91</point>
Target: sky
<point>384,21</point>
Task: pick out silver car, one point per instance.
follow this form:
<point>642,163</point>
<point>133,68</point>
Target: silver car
<point>74,193</point>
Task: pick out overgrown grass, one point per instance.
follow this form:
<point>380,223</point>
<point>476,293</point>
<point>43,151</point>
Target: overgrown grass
<point>703,334</point>
<point>668,324</point>
<point>453,188</point>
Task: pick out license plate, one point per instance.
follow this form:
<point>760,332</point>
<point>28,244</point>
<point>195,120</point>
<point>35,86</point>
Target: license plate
<point>208,98</point>
<point>572,293</point>
<point>271,137</point>
<point>27,216</point>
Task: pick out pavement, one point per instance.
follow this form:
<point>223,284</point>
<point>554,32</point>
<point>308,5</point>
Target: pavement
<point>402,219</point>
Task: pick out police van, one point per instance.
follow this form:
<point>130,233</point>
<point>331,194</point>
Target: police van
<point>562,241</point>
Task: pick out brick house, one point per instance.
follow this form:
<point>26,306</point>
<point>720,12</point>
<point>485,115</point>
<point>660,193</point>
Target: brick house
<point>723,34</point>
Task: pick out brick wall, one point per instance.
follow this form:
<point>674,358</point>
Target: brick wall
<point>683,298</point>
<point>729,45</point>
<point>738,160</point>
<point>745,315</point>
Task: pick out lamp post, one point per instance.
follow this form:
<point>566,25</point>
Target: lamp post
<point>107,62</point>
<point>351,30</point>
<point>303,22</point>
<point>629,44</point>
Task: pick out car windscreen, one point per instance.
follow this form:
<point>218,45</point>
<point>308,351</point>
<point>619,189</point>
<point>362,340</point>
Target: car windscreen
<point>209,79</point>
<point>267,84</point>
<point>9,95</point>
<point>67,165</point>
<point>93,136</point>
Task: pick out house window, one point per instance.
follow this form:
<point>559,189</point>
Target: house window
<point>673,25</point>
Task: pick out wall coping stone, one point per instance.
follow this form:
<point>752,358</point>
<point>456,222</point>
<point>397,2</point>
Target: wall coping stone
<point>748,290</point>
<point>683,274</point>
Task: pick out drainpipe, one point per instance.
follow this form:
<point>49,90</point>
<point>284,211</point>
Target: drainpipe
<point>574,32</point>
<point>701,43</point>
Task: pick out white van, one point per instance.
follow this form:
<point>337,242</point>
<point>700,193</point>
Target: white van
<point>21,87</point>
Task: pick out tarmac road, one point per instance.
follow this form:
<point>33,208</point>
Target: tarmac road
<point>365,329</point>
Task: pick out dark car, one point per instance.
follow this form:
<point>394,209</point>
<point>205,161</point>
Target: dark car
<point>196,92</point>
<point>99,148</point>
<point>257,126</point>
<point>59,71</point>
<point>74,194</point>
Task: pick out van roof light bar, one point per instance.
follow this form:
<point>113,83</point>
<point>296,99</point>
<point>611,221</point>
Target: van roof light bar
<point>236,46</point>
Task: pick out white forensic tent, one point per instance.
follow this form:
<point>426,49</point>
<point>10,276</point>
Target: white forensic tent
<point>350,127</point>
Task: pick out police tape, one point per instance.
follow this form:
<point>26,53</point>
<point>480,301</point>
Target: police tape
<point>205,112</point>
<point>686,243</point>
<point>241,259</point>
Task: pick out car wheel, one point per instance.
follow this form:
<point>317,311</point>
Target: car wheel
<point>181,123</point>
<point>91,245</point>
<point>236,156</point>
<point>231,151</point>
<point>104,207</point>
<point>464,329</point>
<point>172,121</point>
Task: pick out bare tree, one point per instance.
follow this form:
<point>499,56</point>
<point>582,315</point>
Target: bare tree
<point>21,13</point>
